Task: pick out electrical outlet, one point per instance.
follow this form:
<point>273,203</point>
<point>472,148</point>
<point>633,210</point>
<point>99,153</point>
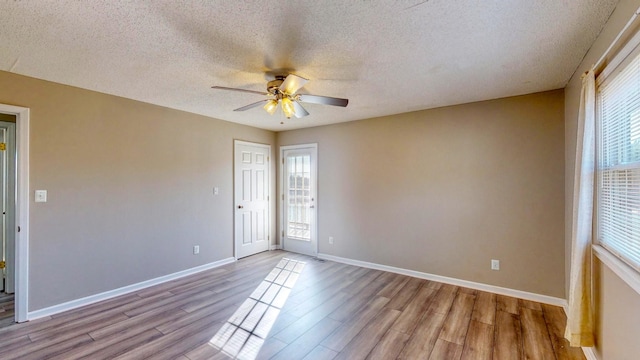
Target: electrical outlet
<point>196,249</point>
<point>41,196</point>
<point>330,240</point>
<point>495,264</point>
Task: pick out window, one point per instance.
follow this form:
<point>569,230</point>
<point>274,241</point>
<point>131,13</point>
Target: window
<point>618,142</point>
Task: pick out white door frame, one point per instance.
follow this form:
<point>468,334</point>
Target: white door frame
<point>235,201</point>
<point>21,210</point>
<point>314,231</point>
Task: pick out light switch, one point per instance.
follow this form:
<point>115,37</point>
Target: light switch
<point>41,195</point>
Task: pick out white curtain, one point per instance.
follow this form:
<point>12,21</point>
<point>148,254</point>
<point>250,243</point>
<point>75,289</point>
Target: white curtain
<point>579,329</point>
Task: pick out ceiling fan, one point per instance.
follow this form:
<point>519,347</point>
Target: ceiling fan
<point>283,90</point>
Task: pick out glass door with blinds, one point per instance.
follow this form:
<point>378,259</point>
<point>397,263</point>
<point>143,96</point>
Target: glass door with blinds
<point>299,198</point>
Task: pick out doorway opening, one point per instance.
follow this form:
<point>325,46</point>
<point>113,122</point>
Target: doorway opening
<point>299,198</point>
<point>7,217</point>
<point>14,180</point>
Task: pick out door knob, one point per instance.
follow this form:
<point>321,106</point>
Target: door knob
<point>240,206</point>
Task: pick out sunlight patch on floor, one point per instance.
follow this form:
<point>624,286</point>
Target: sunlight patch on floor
<point>242,336</point>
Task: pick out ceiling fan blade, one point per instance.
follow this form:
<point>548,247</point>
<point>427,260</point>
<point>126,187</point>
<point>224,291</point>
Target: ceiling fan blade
<point>252,105</point>
<point>324,100</point>
<point>240,90</point>
<point>292,84</point>
<point>299,110</point>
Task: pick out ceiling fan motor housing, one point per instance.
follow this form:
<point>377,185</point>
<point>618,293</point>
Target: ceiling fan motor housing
<point>273,86</point>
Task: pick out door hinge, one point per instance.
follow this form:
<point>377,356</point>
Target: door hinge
<point>282,161</point>
<point>282,196</point>
<point>18,228</point>
<point>3,264</point>
<point>282,233</point>
<point>267,197</point>
<point>3,146</point>
<point>267,159</point>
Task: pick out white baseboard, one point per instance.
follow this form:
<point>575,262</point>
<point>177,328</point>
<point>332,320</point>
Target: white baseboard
<point>453,281</point>
<point>69,305</point>
<point>275,247</point>
<point>589,353</point>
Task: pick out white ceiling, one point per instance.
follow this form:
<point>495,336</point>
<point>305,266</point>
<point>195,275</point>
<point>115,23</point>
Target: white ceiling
<point>386,57</point>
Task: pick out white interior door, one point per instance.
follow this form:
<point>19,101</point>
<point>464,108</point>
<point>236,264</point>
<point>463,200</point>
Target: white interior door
<point>299,198</point>
<point>251,195</point>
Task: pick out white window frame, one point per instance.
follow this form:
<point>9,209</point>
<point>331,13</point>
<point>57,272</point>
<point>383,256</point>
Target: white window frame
<point>620,267</point>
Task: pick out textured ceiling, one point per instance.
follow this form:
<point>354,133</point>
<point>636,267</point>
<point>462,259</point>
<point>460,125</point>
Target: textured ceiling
<point>386,57</point>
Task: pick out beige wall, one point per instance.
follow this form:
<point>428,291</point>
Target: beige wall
<point>618,320</point>
<point>444,191</point>
<point>617,306</point>
<point>130,189</point>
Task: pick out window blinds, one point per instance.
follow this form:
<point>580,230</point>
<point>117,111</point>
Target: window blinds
<point>618,140</point>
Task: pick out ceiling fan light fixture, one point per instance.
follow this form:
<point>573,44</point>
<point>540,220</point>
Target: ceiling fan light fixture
<point>283,90</point>
<point>287,107</point>
<point>271,106</point>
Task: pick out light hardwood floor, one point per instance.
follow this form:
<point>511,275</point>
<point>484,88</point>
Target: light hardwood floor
<point>298,308</point>
<point>6,310</point>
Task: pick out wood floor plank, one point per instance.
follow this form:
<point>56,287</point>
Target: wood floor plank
<point>71,317</point>
<point>326,279</point>
<point>392,288</point>
<point>201,330</point>
<point>484,309</point>
<point>408,291</point>
<point>300,326</point>
<point>468,291</point>
<point>174,301</point>
<point>217,312</point>
<point>556,321</point>
<point>320,298</point>
<point>457,321</point>
<point>508,304</point>
<point>147,320</point>
<point>411,315</point>
<point>364,281</point>
<point>321,353</point>
<point>478,344</point>
<point>221,299</point>
<point>444,350</point>
<point>529,304</point>
<point>204,352</point>
<point>308,341</point>
<point>508,336</point>
<point>443,300</point>
<point>535,336</point>
<point>74,328</point>
<point>111,346</point>
<point>424,337</point>
<point>364,342</point>
<point>284,320</point>
<point>46,350</point>
<point>354,303</point>
<point>16,343</point>
<point>343,335</point>
<point>271,347</point>
<point>98,307</point>
<point>389,346</point>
